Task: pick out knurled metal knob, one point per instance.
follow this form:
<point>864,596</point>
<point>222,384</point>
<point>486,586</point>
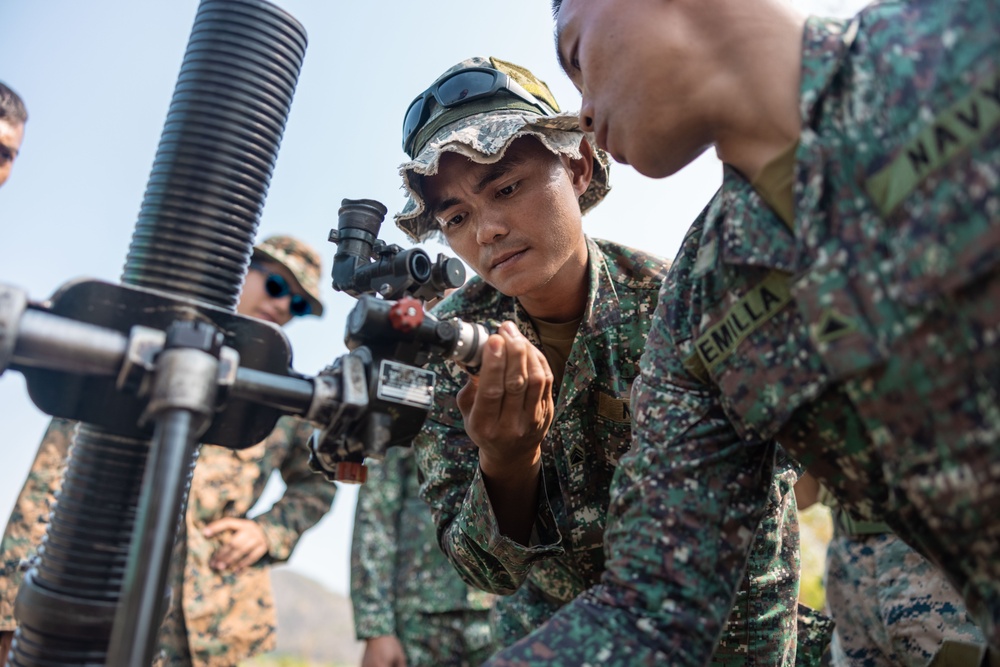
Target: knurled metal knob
<point>406,314</point>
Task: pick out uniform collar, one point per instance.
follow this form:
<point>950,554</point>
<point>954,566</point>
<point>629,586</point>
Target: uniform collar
<point>825,45</point>
<point>601,310</point>
<point>741,229</point>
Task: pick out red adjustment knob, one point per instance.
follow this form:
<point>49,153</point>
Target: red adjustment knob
<point>350,472</point>
<point>406,314</point>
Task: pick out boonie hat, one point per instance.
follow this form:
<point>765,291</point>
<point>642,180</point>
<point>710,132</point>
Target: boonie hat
<point>301,261</point>
<point>482,130</point>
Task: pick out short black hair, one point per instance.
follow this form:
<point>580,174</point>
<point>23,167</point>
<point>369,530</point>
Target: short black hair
<point>556,6</point>
<point>11,106</point>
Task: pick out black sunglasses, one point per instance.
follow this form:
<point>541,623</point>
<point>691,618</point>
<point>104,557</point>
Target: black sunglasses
<point>460,88</point>
<point>277,287</point>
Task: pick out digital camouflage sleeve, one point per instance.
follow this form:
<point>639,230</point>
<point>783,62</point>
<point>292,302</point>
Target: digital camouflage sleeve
<point>588,439</point>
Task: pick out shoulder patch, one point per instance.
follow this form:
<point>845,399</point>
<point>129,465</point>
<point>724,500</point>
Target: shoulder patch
<point>956,128</point>
<point>745,316</point>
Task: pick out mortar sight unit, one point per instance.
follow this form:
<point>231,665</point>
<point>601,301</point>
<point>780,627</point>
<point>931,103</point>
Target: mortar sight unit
<point>391,337</point>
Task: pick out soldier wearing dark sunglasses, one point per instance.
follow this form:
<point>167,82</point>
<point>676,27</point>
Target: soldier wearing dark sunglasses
<point>283,281</point>
<point>277,287</point>
<point>13,117</point>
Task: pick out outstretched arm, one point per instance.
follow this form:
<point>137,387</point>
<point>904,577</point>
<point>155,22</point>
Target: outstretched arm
<point>685,506</point>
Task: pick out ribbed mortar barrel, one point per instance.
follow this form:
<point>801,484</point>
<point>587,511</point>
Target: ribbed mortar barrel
<point>219,144</point>
<point>93,514</point>
<point>66,606</point>
<point>193,239</point>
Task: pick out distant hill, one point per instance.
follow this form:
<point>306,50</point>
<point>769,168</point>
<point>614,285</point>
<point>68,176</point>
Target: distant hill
<point>315,624</point>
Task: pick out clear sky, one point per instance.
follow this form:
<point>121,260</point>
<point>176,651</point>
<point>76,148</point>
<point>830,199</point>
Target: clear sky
<point>97,78</point>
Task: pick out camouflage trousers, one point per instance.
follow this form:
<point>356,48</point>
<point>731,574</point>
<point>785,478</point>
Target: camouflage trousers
<point>890,605</point>
<point>446,639</point>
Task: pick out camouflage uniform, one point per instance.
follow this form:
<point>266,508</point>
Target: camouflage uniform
<point>216,619</point>
<point>401,582</point>
<point>891,606</point>
<point>864,340</point>
<point>590,431</point>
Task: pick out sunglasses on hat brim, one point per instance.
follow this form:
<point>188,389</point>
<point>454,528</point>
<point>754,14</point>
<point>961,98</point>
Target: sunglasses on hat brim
<point>460,88</point>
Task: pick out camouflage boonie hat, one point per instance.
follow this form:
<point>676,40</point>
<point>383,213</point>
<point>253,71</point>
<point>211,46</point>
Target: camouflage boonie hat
<point>301,261</point>
<point>484,135</point>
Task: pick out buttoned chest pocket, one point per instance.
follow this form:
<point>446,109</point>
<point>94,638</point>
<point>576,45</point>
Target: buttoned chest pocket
<point>601,437</point>
<point>614,424</point>
<point>616,437</point>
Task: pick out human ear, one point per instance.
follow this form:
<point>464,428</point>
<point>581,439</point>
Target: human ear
<point>582,169</point>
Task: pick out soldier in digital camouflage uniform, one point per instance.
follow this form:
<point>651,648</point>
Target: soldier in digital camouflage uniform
<point>838,296</point>
<point>409,603</point>
<point>31,512</point>
<point>519,489</point>
<point>891,606</point>
<point>221,607</point>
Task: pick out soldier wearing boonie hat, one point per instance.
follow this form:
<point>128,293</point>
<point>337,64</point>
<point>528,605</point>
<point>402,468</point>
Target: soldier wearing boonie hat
<point>519,486</point>
<point>482,130</point>
<point>301,261</point>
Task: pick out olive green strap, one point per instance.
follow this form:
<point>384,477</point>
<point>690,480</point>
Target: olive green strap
<point>959,654</point>
<point>851,526</point>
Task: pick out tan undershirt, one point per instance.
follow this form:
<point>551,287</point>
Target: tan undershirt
<point>774,184</point>
<point>557,341</point>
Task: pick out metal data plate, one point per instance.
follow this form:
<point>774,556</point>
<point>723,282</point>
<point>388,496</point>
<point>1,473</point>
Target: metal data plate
<point>409,385</point>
